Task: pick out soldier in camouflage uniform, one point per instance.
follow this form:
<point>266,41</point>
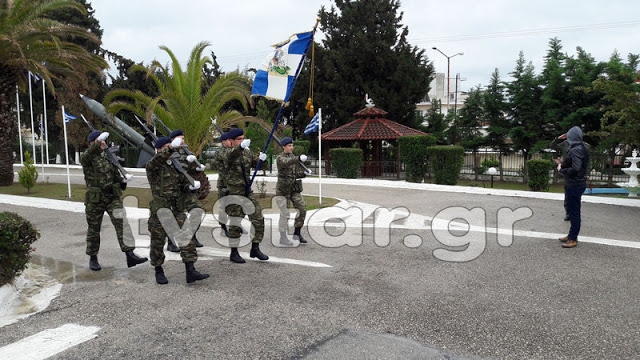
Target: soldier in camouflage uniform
<point>288,188</point>
<point>170,190</point>
<point>105,185</point>
<point>218,165</point>
<point>238,161</point>
<point>189,163</point>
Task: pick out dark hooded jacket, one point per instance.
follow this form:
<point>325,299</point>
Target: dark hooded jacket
<point>576,164</point>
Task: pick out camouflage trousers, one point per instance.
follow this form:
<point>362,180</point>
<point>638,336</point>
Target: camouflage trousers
<point>236,214</point>
<point>283,204</point>
<point>95,213</point>
<point>222,215</point>
<point>159,235</point>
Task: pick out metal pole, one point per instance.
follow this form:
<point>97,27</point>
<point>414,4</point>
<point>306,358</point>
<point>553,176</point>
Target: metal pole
<point>33,139</point>
<point>455,106</point>
<point>46,131</point>
<point>19,125</point>
<point>320,156</point>
<point>66,151</point>
<point>448,81</point>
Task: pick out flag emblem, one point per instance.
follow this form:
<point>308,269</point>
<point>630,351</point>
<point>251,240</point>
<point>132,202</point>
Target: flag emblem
<point>313,124</point>
<point>68,117</point>
<point>276,76</point>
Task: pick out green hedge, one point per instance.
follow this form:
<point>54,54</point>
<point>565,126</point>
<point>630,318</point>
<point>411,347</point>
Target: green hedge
<point>413,152</point>
<point>346,162</point>
<point>446,163</point>
<point>301,147</point>
<point>539,174</point>
<point>16,236</point>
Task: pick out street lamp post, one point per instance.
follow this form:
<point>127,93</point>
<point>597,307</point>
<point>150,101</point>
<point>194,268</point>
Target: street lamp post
<point>448,70</point>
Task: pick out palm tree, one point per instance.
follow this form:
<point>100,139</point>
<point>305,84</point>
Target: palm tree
<point>184,103</point>
<point>31,42</point>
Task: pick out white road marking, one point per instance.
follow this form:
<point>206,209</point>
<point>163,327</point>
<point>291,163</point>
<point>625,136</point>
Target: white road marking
<point>48,342</point>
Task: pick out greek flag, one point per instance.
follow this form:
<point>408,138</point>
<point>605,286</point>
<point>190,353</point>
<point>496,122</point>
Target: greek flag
<point>68,117</point>
<point>35,77</point>
<point>313,124</point>
<point>276,76</point>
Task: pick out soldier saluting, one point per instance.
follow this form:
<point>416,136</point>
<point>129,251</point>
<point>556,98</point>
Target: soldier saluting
<point>238,161</point>
<point>105,185</point>
<point>289,188</point>
<point>170,190</point>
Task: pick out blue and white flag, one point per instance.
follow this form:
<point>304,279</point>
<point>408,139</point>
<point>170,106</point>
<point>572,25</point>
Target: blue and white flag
<point>313,125</point>
<point>68,117</point>
<point>35,77</point>
<point>41,128</point>
<point>276,76</point>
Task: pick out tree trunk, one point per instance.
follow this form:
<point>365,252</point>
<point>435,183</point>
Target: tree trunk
<point>7,128</point>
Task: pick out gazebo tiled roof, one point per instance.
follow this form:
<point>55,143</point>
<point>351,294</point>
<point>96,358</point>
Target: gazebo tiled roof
<point>370,125</point>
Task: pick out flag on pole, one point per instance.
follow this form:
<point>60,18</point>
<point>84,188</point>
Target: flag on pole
<point>68,117</point>
<point>276,76</point>
<point>41,128</point>
<point>313,124</point>
<point>35,77</point>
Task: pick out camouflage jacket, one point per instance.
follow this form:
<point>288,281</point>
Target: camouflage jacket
<point>98,170</point>
<point>165,181</point>
<point>289,171</point>
<point>218,165</point>
<point>234,160</point>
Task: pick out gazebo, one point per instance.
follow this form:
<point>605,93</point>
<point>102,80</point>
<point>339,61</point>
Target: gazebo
<point>369,129</point>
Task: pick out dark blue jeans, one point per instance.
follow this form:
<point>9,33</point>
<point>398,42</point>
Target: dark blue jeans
<point>573,196</point>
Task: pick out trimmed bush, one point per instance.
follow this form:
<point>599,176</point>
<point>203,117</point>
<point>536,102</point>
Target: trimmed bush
<point>28,175</point>
<point>539,174</point>
<point>446,163</point>
<point>413,152</point>
<point>16,236</point>
<point>346,162</point>
<point>301,147</point>
<point>486,164</point>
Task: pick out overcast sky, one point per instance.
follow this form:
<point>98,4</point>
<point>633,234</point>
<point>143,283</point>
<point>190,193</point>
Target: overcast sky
<point>489,33</point>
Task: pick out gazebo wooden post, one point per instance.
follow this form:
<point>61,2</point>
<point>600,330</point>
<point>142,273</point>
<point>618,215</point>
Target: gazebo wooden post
<point>398,163</point>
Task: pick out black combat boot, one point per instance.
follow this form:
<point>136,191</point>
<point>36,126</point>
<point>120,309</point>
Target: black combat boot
<point>255,252</point>
<point>296,232</point>
<point>160,278</point>
<point>193,274</point>
<point>94,264</point>
<point>224,228</point>
<point>195,240</point>
<point>133,259</point>
<point>284,240</point>
<point>172,247</point>
<point>235,256</point>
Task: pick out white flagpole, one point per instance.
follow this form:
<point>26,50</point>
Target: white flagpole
<point>66,150</point>
<point>320,155</point>
<point>19,125</point>
<point>33,139</point>
<point>42,145</point>
<point>46,131</point>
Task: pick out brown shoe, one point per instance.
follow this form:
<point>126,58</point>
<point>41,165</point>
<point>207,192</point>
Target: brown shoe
<point>570,244</point>
<point>564,239</point>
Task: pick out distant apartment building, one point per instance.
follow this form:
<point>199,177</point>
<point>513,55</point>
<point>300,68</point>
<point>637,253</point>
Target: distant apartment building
<point>438,92</point>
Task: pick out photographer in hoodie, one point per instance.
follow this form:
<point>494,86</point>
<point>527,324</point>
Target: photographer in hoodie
<point>574,168</point>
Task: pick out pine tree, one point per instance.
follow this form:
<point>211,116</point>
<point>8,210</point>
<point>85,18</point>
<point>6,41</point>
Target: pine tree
<point>28,175</point>
<point>495,108</point>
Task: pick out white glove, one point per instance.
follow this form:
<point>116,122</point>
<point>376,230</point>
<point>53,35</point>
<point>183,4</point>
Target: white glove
<point>201,167</point>
<point>303,158</point>
<point>262,156</point>
<point>245,143</point>
<point>191,158</point>
<point>176,143</point>
<point>195,186</point>
<point>103,136</point>
<point>127,178</point>
<point>308,172</point>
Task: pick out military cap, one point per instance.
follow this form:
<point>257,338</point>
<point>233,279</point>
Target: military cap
<point>175,133</point>
<point>224,136</point>
<point>93,135</point>
<point>162,142</point>
<point>234,133</point>
<point>286,141</point>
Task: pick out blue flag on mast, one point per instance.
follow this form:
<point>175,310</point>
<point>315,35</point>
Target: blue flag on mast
<point>276,76</point>
<point>313,125</point>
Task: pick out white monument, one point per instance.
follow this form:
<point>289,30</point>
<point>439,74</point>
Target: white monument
<point>633,171</point>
